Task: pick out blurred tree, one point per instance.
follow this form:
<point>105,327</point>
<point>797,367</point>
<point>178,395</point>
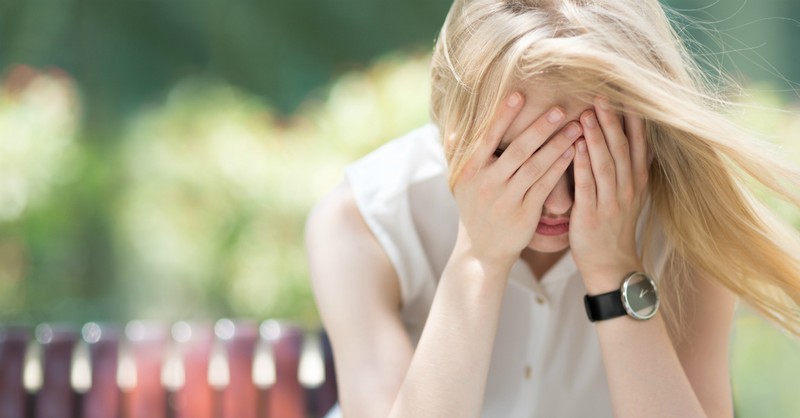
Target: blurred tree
<point>752,40</point>
<point>125,53</point>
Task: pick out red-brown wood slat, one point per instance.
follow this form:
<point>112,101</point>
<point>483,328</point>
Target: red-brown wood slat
<point>194,399</point>
<point>287,397</point>
<point>13,344</point>
<point>240,399</point>
<point>56,398</point>
<point>102,399</point>
<point>278,393</point>
<point>148,342</point>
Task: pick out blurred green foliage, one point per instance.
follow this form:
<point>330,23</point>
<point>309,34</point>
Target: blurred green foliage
<point>126,53</point>
<point>765,369</point>
<point>158,159</point>
<point>204,195</point>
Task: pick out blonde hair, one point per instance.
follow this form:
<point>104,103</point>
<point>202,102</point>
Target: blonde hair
<point>627,51</point>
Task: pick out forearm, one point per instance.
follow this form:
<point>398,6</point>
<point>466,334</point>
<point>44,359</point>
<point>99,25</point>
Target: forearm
<point>645,376</point>
<point>447,375</point>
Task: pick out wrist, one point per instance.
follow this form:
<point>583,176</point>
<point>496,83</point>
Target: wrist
<point>637,298</point>
<point>609,279</point>
<point>474,281</point>
<point>490,263</point>
<point>490,257</point>
<point>480,266</point>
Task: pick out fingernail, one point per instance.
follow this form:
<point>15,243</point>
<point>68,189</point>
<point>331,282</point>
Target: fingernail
<point>514,100</point>
<point>582,147</point>
<point>555,115</point>
<point>590,120</point>
<point>603,103</point>
<point>572,130</point>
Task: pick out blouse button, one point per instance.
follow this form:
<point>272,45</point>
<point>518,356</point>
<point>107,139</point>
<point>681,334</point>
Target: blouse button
<point>539,300</point>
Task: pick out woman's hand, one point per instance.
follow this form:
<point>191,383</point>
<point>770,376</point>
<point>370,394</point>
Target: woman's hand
<point>500,198</point>
<point>610,189</point>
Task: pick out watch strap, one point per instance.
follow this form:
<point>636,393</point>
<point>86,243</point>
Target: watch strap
<point>604,306</point>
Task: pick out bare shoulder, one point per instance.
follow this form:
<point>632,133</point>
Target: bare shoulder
<point>342,251</point>
<point>358,296</point>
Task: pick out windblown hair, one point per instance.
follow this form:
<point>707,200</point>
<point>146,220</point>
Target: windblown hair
<point>699,181</point>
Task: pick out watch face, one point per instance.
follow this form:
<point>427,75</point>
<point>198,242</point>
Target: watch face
<point>640,296</point>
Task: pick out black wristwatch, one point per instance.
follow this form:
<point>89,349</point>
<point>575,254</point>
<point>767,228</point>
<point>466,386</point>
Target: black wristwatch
<point>637,298</point>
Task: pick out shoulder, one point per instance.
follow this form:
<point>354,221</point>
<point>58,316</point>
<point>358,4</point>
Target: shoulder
<point>358,297</point>
<point>343,254</point>
<point>403,161</point>
<point>378,182</point>
<point>335,211</point>
<point>393,216</point>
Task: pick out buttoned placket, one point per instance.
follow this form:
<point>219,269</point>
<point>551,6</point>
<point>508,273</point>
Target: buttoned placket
<point>542,293</point>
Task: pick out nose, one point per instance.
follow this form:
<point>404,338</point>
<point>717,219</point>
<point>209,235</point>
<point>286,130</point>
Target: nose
<point>559,201</point>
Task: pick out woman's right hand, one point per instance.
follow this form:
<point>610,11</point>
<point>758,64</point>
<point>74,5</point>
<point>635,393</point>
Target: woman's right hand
<point>500,199</point>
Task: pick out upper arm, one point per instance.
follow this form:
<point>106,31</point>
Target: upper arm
<point>358,296</point>
<point>703,352</point>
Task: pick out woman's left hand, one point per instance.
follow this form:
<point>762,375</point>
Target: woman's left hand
<point>610,188</point>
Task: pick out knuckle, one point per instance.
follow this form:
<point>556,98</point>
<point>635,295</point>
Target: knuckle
<point>499,210</point>
<point>627,195</point>
<point>606,169</point>
<point>623,147</point>
<point>543,130</point>
<point>484,190</point>
<point>611,210</point>
<point>644,176</point>
<point>531,169</point>
<point>516,151</point>
<point>608,119</point>
<point>539,188</point>
<point>585,187</point>
<point>468,172</point>
<point>562,142</point>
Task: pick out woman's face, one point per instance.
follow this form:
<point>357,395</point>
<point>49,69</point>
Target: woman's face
<point>538,99</point>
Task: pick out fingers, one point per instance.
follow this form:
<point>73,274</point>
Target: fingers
<point>522,147</point>
<point>617,157</point>
<point>635,130</point>
<point>598,126</point>
<point>529,175</point>
<point>503,116</point>
<point>536,194</point>
<point>585,188</point>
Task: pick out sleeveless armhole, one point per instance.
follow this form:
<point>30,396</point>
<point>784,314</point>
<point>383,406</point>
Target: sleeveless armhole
<point>381,183</point>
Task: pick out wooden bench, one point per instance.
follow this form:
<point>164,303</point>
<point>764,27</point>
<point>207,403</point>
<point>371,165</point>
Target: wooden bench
<point>230,369</point>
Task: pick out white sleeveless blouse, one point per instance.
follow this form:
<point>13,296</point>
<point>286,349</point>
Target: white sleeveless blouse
<point>546,360</point>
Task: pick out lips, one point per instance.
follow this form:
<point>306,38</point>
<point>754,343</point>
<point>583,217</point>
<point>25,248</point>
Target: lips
<point>553,227</point>
<point>553,222</point>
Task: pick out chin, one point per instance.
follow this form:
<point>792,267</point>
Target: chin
<point>549,244</point>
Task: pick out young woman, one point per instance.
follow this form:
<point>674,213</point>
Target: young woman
<point>567,239</point>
